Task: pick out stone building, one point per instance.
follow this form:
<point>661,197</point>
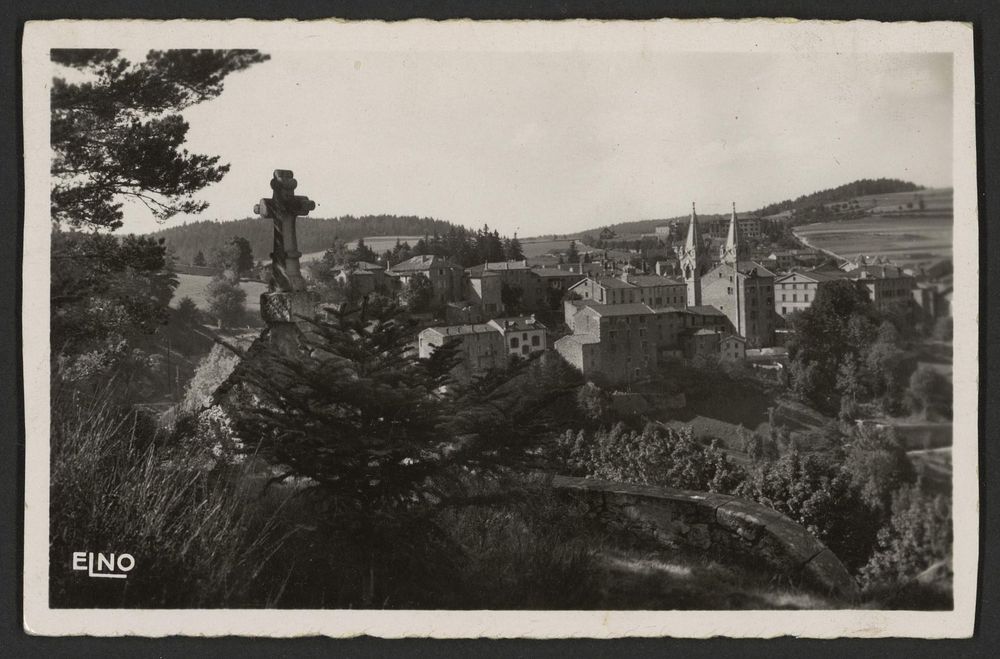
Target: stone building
<point>364,277</point>
<point>733,348</point>
<point>552,286</point>
<point>796,291</point>
<point>521,335</point>
<point>446,277</point>
<point>614,342</point>
<point>483,289</point>
<point>485,346</point>
<point>654,290</point>
<point>480,346</point>
<point>738,287</point>
<point>887,284</point>
<point>623,343</point>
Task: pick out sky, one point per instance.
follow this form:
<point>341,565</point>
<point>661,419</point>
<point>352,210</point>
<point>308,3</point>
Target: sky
<point>560,142</point>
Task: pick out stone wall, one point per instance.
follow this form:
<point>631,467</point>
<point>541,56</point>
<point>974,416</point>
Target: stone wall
<point>724,525</point>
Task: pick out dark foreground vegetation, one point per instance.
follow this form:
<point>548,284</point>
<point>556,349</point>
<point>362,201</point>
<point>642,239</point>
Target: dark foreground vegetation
<point>363,477</point>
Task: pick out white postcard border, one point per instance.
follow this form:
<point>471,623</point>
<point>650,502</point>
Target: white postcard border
<point>758,35</point>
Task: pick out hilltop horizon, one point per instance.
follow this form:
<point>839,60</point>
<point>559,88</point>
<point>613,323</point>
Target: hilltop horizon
<point>316,233</point>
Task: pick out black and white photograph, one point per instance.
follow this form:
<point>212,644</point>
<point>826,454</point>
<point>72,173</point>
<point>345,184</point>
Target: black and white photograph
<point>500,329</point>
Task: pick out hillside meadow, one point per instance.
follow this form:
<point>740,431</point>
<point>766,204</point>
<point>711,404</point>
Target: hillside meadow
<point>902,239</point>
<point>193,286</point>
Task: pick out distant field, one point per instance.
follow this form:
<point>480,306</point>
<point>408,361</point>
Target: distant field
<point>193,286</point>
<point>902,239</point>
<point>532,247</point>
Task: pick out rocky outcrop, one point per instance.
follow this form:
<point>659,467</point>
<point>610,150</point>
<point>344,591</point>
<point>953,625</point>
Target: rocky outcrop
<point>723,525</point>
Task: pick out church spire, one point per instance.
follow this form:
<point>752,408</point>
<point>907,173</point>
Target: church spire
<point>693,243</point>
<point>735,250</point>
<point>693,262</point>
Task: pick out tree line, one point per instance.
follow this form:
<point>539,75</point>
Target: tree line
<point>314,234</point>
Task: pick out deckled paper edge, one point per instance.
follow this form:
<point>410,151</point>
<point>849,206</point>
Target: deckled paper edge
<point>715,35</point>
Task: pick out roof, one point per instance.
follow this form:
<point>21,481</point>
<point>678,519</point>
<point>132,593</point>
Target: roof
<point>734,337</point>
<point>654,280</point>
<point>816,275</point>
<point>705,310</point>
<point>752,267</point>
<point>423,262</point>
<point>612,282</point>
<point>478,272</point>
<point>518,323</point>
<point>507,265</point>
<point>635,309</point>
<point>367,265</point>
<point>879,271</point>
<point>555,272</point>
<point>582,339</point>
<point>460,330</point>
<point>705,332</point>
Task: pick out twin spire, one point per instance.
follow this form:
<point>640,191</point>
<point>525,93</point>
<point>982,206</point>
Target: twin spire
<point>693,245</point>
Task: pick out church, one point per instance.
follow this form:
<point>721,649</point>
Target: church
<point>738,287</point>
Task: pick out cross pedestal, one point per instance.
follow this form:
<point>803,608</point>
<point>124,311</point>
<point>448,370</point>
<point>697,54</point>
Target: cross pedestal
<point>289,303</point>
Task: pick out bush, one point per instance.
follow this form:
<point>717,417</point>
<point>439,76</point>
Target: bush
<point>226,300</point>
<point>654,456</point>
<point>944,328</point>
<point>930,392</point>
<point>820,496</point>
<point>918,535</point>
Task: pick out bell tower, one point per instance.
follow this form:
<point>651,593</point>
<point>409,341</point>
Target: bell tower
<point>694,260</point>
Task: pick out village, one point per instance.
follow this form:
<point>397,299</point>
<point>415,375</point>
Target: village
<point>615,317</point>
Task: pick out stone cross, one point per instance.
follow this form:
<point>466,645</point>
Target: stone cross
<point>283,207</point>
<point>289,303</point>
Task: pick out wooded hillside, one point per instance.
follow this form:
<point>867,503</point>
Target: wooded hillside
<point>314,233</point>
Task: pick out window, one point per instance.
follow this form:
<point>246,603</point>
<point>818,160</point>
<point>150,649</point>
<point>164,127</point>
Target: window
<point>729,290</point>
<point>782,297</point>
<point>536,340</point>
<point>784,311</point>
<point>524,336</point>
<point>805,298</point>
<point>525,349</point>
<point>514,342</point>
